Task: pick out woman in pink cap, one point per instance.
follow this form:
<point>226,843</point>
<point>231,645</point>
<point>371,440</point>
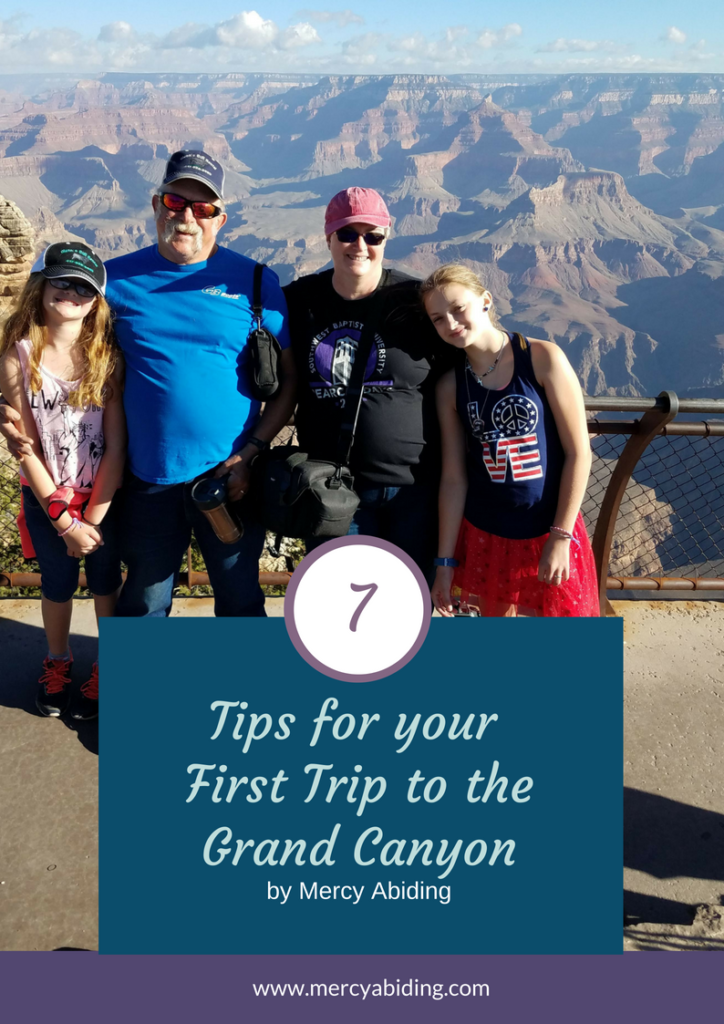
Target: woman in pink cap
<point>395,457</point>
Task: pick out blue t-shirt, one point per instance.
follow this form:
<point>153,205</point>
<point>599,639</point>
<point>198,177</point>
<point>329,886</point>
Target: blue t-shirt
<point>183,331</point>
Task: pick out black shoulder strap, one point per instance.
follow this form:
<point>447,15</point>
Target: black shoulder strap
<point>355,391</point>
<point>256,307</point>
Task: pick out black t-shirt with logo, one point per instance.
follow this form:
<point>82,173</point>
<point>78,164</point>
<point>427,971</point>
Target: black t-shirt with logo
<point>397,439</point>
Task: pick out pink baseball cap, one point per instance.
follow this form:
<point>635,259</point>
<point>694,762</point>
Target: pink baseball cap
<point>356,206</point>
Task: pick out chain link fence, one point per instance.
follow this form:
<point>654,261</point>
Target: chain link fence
<point>11,556</point>
<point>669,523</point>
<point>670,519</point>
<point>12,561</point>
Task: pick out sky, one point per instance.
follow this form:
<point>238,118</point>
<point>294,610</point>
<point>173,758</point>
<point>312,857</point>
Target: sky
<point>373,37</point>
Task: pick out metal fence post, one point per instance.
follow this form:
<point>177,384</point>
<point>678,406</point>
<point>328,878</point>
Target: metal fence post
<point>649,426</point>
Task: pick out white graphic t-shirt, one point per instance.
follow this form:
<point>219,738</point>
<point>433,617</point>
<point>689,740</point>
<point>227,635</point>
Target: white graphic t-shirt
<point>71,438</point>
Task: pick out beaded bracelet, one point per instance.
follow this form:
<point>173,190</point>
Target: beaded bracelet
<point>73,524</point>
<point>564,533</point>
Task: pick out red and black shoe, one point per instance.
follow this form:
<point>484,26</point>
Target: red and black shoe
<point>85,706</point>
<point>54,687</point>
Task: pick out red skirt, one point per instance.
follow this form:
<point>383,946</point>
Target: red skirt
<point>498,576</point>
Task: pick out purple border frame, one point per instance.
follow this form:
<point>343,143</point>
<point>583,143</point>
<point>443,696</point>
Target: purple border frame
<point>309,560</point>
<point>88,989</point>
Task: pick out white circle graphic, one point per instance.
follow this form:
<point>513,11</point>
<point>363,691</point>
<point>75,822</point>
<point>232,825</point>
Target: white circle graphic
<point>357,608</point>
<point>515,415</point>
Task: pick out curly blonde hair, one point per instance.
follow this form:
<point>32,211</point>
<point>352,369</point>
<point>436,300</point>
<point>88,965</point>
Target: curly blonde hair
<point>457,273</point>
<point>96,341</point>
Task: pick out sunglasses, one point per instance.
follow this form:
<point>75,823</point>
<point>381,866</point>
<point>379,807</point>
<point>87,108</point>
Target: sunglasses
<point>202,211</point>
<point>63,284</point>
<point>348,235</point>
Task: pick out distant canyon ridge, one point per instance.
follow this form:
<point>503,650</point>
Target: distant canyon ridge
<point>591,205</point>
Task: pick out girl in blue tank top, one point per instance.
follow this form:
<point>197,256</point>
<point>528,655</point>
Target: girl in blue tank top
<point>516,461</point>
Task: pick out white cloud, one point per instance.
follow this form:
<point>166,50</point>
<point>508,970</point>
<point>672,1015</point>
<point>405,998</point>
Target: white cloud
<point>361,60</point>
<point>451,49</point>
<point>418,47</point>
<point>675,35</point>
<point>51,48</point>
<point>362,45</point>
<point>340,18</point>
<point>252,42</point>
<point>189,35</point>
<point>126,58</point>
<point>10,31</point>
<point>633,62</point>
<point>246,31</point>
<point>489,38</point>
<point>580,46</point>
<point>302,34</point>
<point>116,32</point>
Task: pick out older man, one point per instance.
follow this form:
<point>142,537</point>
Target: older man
<point>395,458</point>
<point>182,316</point>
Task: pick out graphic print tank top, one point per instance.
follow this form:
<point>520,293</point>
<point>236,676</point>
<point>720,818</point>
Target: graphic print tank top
<point>71,438</point>
<point>514,455</point>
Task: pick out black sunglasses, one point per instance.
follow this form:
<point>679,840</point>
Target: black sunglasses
<point>349,235</point>
<point>200,210</point>
<point>63,284</point>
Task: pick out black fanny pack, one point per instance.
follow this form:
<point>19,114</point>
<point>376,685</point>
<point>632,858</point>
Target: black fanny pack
<point>301,497</point>
<point>264,349</point>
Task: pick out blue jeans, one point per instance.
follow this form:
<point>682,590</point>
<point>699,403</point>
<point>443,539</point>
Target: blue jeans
<point>405,516</point>
<point>157,525</point>
<point>58,570</point>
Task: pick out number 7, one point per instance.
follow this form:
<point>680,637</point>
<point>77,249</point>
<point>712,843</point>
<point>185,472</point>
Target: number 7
<point>371,587</point>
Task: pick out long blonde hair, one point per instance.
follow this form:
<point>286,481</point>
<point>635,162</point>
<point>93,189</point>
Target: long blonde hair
<point>457,273</point>
<point>96,341</point>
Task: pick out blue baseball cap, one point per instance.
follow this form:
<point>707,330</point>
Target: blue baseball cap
<point>193,163</point>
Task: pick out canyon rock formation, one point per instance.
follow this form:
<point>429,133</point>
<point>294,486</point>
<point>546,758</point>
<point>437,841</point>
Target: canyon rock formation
<point>593,205</point>
<point>16,251</point>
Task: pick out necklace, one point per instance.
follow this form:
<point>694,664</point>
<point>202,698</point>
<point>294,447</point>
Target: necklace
<point>477,421</point>
<point>493,365</point>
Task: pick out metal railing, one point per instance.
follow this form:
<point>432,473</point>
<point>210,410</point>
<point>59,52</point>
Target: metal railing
<point>654,504</point>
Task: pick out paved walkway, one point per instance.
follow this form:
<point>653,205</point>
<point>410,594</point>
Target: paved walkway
<point>674,798</point>
<point>49,789</point>
<point>673,774</point>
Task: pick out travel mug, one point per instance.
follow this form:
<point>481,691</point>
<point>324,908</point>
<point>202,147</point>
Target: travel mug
<point>210,497</point>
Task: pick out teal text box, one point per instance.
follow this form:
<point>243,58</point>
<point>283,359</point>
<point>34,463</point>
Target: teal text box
<point>453,883</point>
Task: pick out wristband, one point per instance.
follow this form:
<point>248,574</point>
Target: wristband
<point>58,502</point>
<point>564,533</point>
<point>452,563</point>
<point>73,525</point>
<point>258,443</point>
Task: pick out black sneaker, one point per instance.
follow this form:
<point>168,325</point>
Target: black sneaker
<point>85,706</point>
<point>54,687</point>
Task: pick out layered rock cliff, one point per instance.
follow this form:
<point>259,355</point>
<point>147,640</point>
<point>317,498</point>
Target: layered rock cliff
<point>16,251</point>
<point>593,205</point>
